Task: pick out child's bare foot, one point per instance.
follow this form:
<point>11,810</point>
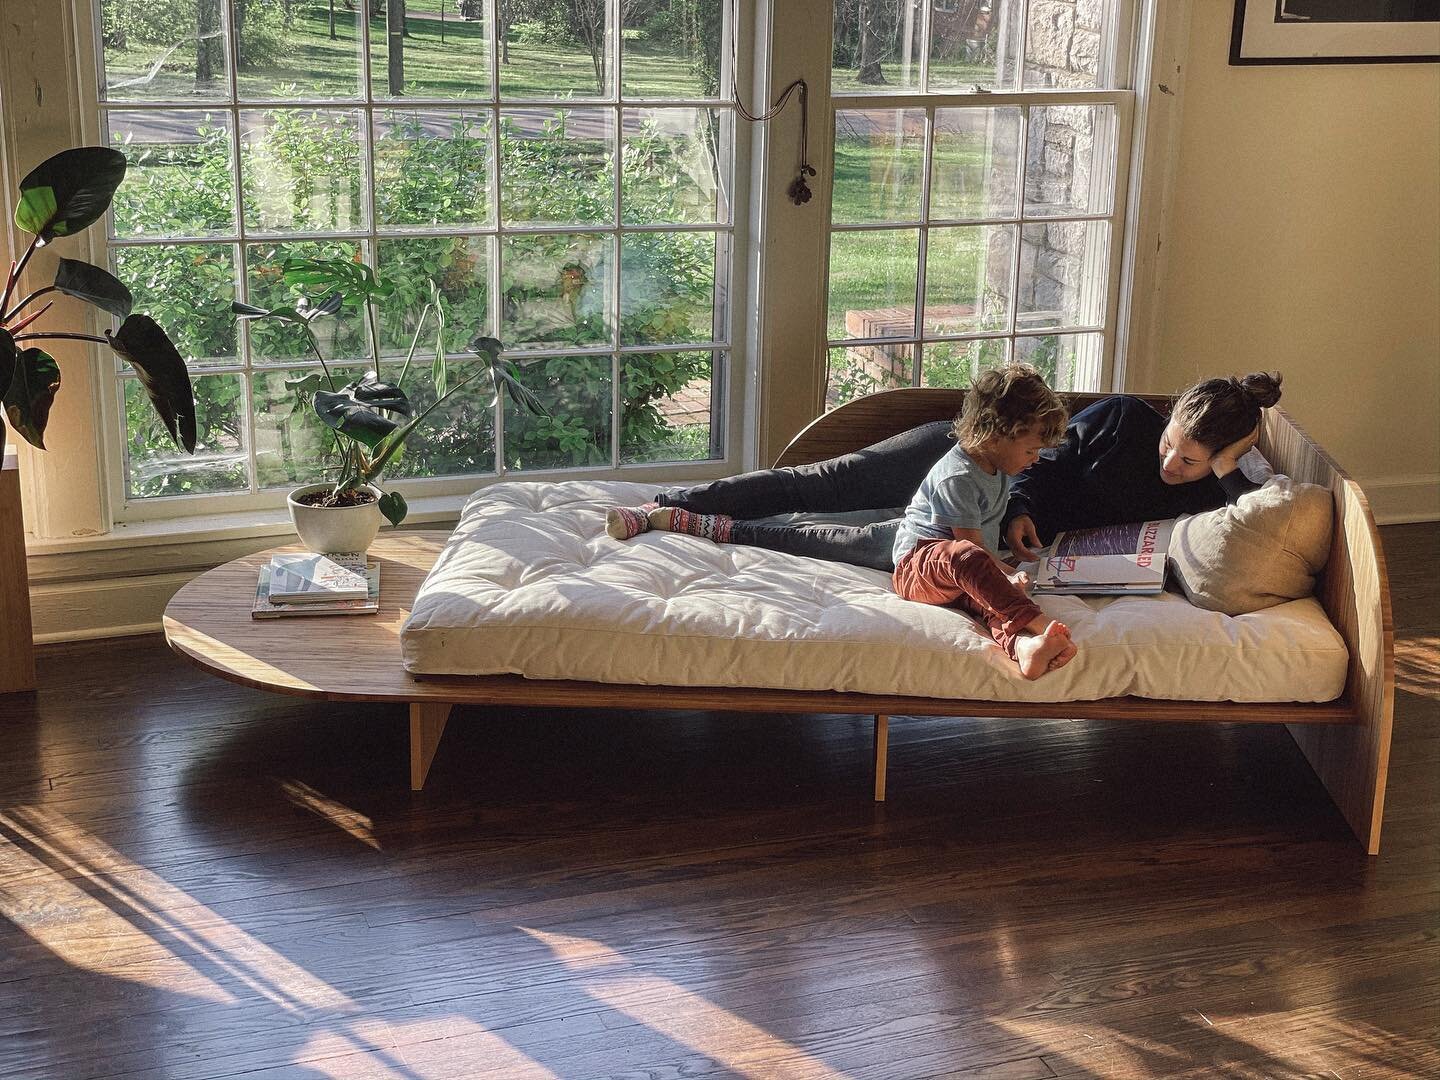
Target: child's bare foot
<point>1046,651</point>
<point>1063,657</point>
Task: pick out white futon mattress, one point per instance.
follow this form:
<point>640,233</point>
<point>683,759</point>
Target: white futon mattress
<point>530,584</point>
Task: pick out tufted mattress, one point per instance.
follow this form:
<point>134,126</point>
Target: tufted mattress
<point>529,584</point>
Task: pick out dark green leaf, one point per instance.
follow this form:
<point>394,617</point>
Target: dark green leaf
<point>370,391</point>
<point>392,505</point>
<point>95,286</point>
<point>9,356</point>
<point>162,372</point>
<point>518,391</point>
<point>487,347</point>
<point>69,192</point>
<point>329,306</point>
<point>344,414</point>
<point>31,393</point>
<point>250,311</point>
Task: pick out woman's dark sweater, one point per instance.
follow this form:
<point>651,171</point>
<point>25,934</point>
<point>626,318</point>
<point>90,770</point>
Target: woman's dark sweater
<point>1107,471</point>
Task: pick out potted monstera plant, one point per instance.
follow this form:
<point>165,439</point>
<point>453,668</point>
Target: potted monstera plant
<point>369,417</point>
<point>61,197</point>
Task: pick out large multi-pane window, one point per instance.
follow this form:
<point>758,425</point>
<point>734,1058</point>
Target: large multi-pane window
<point>559,172</point>
<point>978,190</point>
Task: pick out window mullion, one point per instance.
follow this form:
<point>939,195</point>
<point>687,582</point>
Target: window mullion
<point>923,248</point>
<point>242,337</point>
<point>617,247</point>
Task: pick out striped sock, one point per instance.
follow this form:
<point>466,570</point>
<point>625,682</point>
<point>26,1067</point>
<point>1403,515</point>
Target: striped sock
<point>623,522</point>
<point>711,526</point>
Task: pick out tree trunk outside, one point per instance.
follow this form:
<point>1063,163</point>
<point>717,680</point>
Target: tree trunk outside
<point>395,37</point>
<point>207,23</point>
<point>332,20</point>
<point>872,45</point>
<point>240,13</point>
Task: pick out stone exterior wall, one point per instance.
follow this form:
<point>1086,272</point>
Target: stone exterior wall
<point>1062,51</point>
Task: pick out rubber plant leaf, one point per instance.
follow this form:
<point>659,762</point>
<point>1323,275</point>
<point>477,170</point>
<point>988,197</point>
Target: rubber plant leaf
<point>31,393</point>
<point>9,356</point>
<point>372,392</point>
<point>162,372</point>
<point>69,192</point>
<point>393,506</point>
<point>94,286</point>
<point>343,413</point>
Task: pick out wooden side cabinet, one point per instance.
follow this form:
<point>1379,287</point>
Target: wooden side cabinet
<point>17,645</point>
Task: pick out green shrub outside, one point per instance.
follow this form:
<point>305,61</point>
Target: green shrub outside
<point>188,288</point>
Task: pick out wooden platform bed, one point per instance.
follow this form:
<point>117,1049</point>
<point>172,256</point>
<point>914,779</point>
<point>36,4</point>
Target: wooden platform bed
<point>1346,741</point>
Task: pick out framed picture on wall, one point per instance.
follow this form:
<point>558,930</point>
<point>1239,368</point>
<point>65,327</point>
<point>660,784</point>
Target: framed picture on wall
<point>1335,32</point>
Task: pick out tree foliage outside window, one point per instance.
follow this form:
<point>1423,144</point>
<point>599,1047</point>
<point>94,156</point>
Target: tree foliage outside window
<point>302,170</point>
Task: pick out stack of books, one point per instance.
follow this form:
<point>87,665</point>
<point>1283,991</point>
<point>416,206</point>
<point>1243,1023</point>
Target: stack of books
<point>339,583</point>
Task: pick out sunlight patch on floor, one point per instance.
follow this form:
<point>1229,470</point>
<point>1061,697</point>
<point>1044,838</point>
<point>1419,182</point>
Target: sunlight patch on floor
<point>1417,665</point>
<point>144,922</point>
<point>652,1000</point>
<point>348,821</point>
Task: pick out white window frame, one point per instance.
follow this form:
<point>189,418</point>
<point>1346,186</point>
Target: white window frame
<point>729,380</point>
<point>780,328</point>
<point>1148,55</point>
<point>1117,59</point>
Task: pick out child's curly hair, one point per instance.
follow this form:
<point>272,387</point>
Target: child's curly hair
<point>1006,401</point>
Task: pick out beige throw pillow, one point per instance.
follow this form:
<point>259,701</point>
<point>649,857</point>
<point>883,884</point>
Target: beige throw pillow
<point>1262,551</point>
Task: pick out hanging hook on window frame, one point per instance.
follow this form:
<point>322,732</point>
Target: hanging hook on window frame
<point>799,189</point>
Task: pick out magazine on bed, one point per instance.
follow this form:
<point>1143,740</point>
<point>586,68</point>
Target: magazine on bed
<point>1114,560</point>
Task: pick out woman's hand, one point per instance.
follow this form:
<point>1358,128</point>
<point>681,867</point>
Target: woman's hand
<point>1227,459</point>
<point>1022,539</point>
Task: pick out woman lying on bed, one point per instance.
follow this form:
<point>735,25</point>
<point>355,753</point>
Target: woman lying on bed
<point>1120,461</point>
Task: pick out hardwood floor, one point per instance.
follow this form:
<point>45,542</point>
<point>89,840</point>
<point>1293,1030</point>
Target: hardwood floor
<point>199,880</point>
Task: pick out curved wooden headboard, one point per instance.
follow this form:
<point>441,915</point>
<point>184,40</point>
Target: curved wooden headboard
<point>874,417</point>
<point>1350,760</point>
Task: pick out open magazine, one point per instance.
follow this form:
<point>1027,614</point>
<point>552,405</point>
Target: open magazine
<point>1113,560</point>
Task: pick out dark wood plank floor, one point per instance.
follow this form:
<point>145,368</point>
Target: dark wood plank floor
<point>198,880</point>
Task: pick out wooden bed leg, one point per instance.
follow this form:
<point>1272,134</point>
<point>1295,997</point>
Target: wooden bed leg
<point>427,724</point>
<point>1352,763</point>
<point>882,749</point>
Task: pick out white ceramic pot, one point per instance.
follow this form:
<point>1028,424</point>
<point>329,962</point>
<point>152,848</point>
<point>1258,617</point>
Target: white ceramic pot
<point>335,528</point>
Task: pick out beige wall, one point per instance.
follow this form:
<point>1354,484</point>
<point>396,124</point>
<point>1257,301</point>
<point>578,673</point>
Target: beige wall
<point>1305,236</point>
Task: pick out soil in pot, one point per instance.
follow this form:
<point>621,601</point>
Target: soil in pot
<point>329,500</point>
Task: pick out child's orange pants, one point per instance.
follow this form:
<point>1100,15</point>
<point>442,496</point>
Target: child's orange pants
<point>961,574</point>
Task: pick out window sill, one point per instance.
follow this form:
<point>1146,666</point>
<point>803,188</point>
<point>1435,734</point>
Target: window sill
<point>189,544</point>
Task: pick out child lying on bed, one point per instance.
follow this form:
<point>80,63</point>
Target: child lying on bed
<point>944,551</point>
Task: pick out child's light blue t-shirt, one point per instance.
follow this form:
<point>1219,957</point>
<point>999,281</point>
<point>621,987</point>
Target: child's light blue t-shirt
<point>957,494</point>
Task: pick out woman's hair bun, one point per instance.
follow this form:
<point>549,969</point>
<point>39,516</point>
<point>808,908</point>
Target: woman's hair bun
<point>1263,387</point>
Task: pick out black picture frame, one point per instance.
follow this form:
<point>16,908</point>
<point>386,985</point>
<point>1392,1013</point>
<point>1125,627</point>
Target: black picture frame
<point>1370,41</point>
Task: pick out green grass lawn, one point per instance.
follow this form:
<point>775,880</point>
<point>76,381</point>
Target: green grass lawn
<point>878,183</point>
<point>314,64</point>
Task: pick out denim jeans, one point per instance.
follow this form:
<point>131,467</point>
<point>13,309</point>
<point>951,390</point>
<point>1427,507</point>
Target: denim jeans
<point>845,509</point>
